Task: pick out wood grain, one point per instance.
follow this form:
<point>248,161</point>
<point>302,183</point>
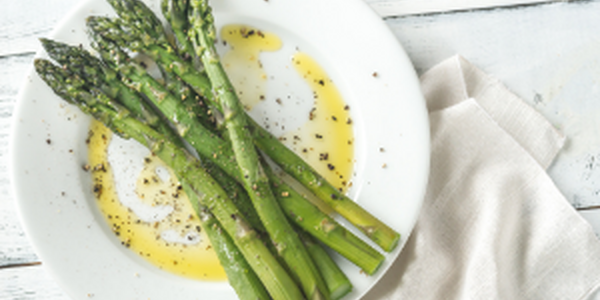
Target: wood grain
<point>23,22</point>
<point>28,283</point>
<point>547,55</point>
<point>386,8</point>
<point>14,246</point>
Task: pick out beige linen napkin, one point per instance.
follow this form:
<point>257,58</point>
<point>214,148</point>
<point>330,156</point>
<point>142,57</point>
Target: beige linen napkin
<point>493,225</point>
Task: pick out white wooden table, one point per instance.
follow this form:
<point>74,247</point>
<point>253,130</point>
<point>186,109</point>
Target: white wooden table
<point>548,54</point>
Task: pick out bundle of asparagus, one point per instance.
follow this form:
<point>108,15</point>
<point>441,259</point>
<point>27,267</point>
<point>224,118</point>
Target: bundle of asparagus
<point>261,228</point>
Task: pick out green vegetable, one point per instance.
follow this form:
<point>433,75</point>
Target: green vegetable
<point>338,284</point>
<point>255,181</point>
<point>210,147</point>
<point>188,169</point>
<point>233,190</point>
<point>135,39</point>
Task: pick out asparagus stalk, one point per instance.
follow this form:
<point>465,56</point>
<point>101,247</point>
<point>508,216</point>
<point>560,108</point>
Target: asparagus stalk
<point>208,144</point>
<point>141,17</point>
<point>239,273</point>
<point>379,232</point>
<point>179,112</point>
<point>188,169</point>
<point>295,206</point>
<point>255,180</point>
<point>325,228</point>
<point>375,229</point>
<point>94,73</point>
<point>176,11</point>
<point>335,279</point>
<point>219,152</point>
<point>162,52</point>
<point>176,14</point>
<point>338,284</point>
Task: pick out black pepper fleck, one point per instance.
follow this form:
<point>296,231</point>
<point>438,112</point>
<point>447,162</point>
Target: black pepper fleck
<point>311,114</point>
<point>97,190</point>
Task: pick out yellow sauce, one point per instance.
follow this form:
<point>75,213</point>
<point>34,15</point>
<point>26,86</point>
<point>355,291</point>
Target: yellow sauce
<point>325,141</point>
<point>192,257</point>
<point>242,60</point>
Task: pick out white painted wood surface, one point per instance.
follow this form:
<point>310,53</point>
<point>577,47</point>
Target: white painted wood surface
<point>393,8</point>
<point>21,24</point>
<point>547,54</point>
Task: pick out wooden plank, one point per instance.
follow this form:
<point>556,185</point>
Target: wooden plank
<point>394,8</point>
<point>14,246</point>
<point>547,55</point>
<point>29,283</point>
<point>23,22</point>
<point>593,217</point>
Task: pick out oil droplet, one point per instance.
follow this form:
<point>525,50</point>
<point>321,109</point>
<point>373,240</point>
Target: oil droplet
<point>175,241</point>
<point>326,140</point>
<point>242,61</point>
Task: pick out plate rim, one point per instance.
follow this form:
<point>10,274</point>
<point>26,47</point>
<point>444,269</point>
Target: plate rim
<point>19,107</point>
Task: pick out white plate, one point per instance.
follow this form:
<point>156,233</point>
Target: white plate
<point>349,41</point>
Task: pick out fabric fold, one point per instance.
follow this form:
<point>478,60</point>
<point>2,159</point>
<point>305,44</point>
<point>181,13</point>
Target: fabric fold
<point>455,80</point>
<point>493,225</point>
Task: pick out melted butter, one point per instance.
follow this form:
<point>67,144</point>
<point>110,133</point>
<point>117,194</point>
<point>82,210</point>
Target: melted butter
<point>242,61</point>
<point>326,140</point>
<point>176,243</point>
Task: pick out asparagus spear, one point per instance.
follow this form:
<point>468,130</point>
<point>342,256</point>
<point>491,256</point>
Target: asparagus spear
<point>255,180</point>
<point>78,58</point>
<point>295,206</point>
<point>188,169</point>
<point>338,284</point>
<point>176,14</point>
<point>326,230</point>
<point>335,279</point>
<point>162,52</point>
<point>94,73</point>
<point>208,143</point>
<point>378,231</point>
<point>239,273</point>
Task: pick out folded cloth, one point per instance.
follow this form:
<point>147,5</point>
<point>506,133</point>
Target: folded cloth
<point>493,224</point>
